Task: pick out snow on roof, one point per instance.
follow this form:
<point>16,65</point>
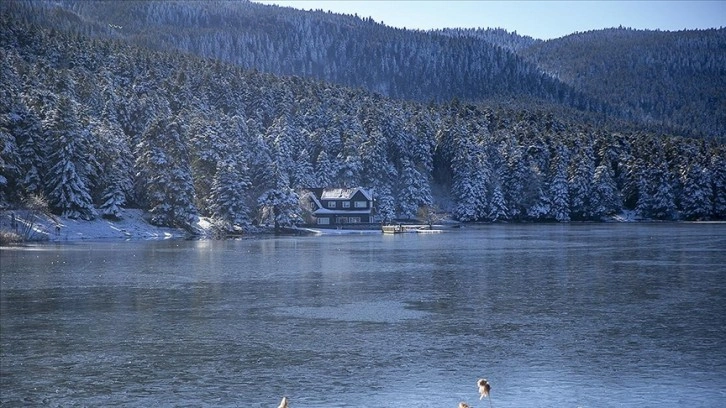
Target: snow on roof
<point>342,193</point>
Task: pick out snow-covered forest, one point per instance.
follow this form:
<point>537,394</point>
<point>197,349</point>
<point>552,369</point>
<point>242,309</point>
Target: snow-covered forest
<point>669,82</point>
<point>95,124</point>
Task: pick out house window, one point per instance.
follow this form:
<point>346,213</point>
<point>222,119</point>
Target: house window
<point>346,204</point>
<point>332,204</point>
<point>361,204</point>
<point>354,220</point>
<point>323,221</point>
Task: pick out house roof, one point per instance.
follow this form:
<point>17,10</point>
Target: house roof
<point>343,193</point>
<point>338,194</point>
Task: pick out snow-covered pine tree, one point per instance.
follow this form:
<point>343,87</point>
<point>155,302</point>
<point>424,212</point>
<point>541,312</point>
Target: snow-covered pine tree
<point>10,155</point>
<point>22,149</point>
<point>281,136</point>
<point>498,210</point>
<point>413,190</point>
<point>349,159</point>
<point>468,191</point>
<point>206,147</point>
<point>497,202</point>
<point>629,177</point>
<point>664,205</point>
<point>605,198</point>
<point>261,165</point>
<point>9,167</point>
<point>538,199</point>
<point>385,204</point>
<point>33,161</point>
<point>280,204</point>
<point>559,189</point>
<point>696,198</point>
<point>581,174</point>
<point>68,182</point>
<point>717,166</point>
<point>656,198</point>
<point>379,173</point>
<point>228,195</point>
<point>517,179</point>
<point>165,174</point>
<point>115,177</point>
<point>303,175</point>
<point>139,106</point>
<point>324,170</point>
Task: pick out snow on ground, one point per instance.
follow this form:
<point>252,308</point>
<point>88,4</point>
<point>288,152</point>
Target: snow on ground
<point>132,225</point>
<point>625,216</point>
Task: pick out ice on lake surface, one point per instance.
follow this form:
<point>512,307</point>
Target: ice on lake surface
<point>375,312</point>
<point>617,315</point>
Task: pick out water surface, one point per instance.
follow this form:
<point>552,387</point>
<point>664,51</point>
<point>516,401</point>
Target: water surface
<point>615,315</point>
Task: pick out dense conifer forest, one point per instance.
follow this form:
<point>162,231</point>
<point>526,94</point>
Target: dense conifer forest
<point>230,110</point>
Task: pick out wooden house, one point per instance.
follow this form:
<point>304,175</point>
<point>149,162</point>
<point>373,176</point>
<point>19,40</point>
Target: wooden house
<point>339,206</point>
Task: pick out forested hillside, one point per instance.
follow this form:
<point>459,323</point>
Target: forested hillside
<point>93,125</point>
<point>674,78</point>
<point>346,50</point>
<point>671,82</point>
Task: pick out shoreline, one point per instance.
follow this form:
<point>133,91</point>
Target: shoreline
<point>38,227</point>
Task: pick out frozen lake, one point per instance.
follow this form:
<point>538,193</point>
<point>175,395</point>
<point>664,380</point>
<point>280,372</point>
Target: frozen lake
<point>596,315</point>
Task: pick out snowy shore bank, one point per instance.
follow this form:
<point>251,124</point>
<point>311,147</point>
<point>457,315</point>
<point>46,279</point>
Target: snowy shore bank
<point>42,227</point>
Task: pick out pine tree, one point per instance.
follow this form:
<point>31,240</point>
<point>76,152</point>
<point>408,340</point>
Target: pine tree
<point>10,155</point>
<point>696,197</point>
<point>9,166</point>
<point>33,162</point>
<point>303,176</point>
<point>261,165</point>
<point>559,189</point>
<point>413,191</point>
<point>581,174</point>
<point>469,179</point>
<point>281,136</point>
<point>717,168</point>
<point>385,206</point>
<point>280,204</point>
<point>115,175</point>
<point>605,195</point>
<point>68,183</point>
<point>228,193</point>
<point>538,204</point>
<point>656,198</point>
<point>206,147</point>
<point>517,181</point>
<point>498,207</point>
<point>350,159</point>
<point>324,170</point>
<point>165,174</point>
<point>22,156</point>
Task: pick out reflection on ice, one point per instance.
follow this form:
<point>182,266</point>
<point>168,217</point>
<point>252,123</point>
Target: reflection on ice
<point>373,312</point>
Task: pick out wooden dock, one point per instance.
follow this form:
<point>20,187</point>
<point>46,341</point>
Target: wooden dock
<point>406,228</point>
